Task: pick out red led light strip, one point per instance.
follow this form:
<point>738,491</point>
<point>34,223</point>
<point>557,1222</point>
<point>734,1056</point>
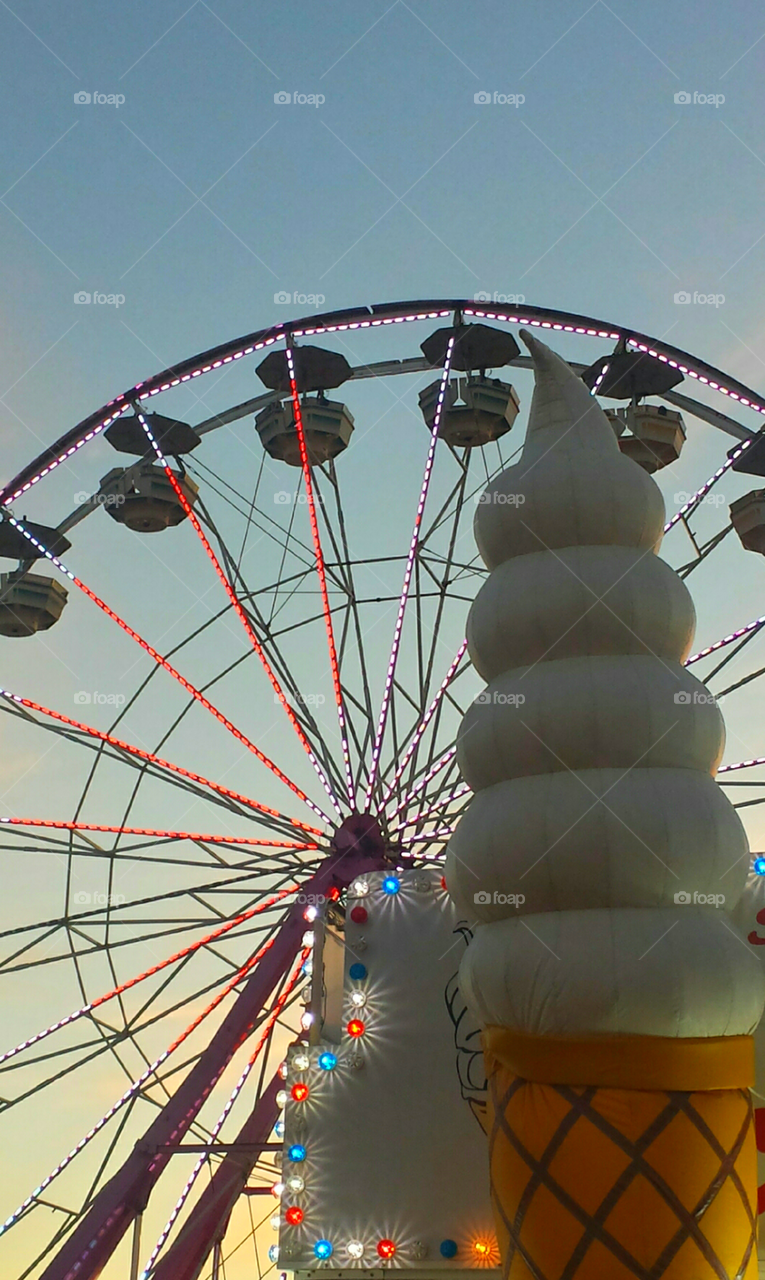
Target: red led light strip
<point>60,825</point>
<point>242,616</point>
<point>148,973</point>
<point>150,758</point>
<point>162,662</point>
<point>320,569</point>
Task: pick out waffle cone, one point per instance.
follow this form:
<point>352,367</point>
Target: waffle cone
<point>601,1180</point>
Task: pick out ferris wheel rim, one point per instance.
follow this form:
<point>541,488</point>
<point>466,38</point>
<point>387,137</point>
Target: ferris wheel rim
<point>369,316</point>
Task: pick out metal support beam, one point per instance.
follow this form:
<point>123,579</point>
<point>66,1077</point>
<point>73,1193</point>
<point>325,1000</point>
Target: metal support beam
<point>205,1225</point>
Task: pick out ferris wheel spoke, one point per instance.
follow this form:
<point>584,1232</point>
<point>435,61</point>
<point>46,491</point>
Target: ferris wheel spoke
<point>81,921</point>
<point>421,727</point>
<point>71,1215</point>
<point>196,836</point>
<point>300,711</point>
<point>437,807</point>
<point>393,660</point>
<point>107,996</point>
<point>242,616</point>
<point>264,811</point>
<point>446,760</point>
<point>321,573</point>
<point>162,662</point>
<point>352,619</point>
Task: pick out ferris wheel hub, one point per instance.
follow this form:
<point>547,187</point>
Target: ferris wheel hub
<point>360,833</point>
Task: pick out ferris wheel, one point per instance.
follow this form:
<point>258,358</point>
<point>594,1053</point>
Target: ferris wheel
<point>261,593</point>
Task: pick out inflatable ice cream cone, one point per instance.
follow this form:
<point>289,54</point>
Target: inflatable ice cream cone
<point>617,999</point>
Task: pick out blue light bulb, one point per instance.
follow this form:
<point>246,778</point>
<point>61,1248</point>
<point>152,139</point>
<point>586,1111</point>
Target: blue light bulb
<point>279,1128</point>
<point>391,884</point>
<point>327,1061</point>
<point>296,1153</point>
<point>358,971</point>
<point>448,1248</point>
<point>759,866</point>
<point>323,1249</point>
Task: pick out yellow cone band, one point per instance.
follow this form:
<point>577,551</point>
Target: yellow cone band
<point>592,1179</point>
<point>625,1062</point>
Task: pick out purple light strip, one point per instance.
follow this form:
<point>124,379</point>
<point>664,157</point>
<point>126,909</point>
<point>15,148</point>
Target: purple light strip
<point>742,764</point>
<point>425,720</point>
<point>443,833</point>
<point>700,493</point>
<point>408,578</point>
<point>639,346</point>
<point>424,780</point>
<point>720,644</point>
<point>461,789</point>
<point>600,378</point>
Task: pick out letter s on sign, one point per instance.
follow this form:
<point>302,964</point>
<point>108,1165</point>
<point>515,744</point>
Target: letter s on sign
<point>754,936</point>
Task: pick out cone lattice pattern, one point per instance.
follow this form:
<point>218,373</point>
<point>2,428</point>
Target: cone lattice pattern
<point>596,1183</point>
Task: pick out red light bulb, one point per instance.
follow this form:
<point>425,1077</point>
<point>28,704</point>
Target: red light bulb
<point>359,915</point>
<point>356,1027</point>
<point>294,1215</point>
<point>386,1248</point>
<point>299,1092</point>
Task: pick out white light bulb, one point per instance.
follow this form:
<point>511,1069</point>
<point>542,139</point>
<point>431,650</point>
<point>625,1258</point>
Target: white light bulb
<point>283,1070</point>
<point>301,1062</point>
<point>354,1249</point>
<point>281,1099</point>
<point>296,1184</point>
<point>306,1021</point>
<point>309,938</point>
<point>358,999</point>
<point>276,1221</point>
<point>359,889</point>
<point>310,913</point>
<point>277,1190</point>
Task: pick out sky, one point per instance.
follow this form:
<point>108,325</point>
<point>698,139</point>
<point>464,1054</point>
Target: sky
<point>150,163</point>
